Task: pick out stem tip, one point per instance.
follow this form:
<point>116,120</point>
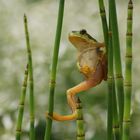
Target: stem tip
<point>25,18</point>
<point>130,2</point>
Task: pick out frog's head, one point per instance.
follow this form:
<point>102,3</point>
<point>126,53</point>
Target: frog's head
<point>81,39</point>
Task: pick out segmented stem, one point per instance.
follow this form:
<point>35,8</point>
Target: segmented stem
<point>31,85</point>
<point>21,106</point>
<point>128,74</point>
<point>117,60</point>
<point>80,122</point>
<point>116,125</point>
<point>104,21</point>
<point>54,68</point>
<point>113,121</point>
<point>110,88</point>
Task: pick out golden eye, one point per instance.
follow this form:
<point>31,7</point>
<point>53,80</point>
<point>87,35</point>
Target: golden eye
<point>83,31</point>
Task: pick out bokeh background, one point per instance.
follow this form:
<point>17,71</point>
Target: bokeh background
<point>42,16</point>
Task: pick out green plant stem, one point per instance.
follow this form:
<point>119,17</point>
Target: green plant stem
<point>116,125</point>
<point>31,85</point>
<point>21,106</point>
<point>108,44</point>
<point>104,21</point>
<point>117,60</point>
<point>80,122</point>
<point>110,89</point>
<point>54,68</point>
<point>113,122</point>
<point>128,74</point>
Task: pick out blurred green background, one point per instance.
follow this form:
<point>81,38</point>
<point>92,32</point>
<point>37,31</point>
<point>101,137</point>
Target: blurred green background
<point>42,16</point>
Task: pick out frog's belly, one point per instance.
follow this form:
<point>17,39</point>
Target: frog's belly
<point>88,61</point>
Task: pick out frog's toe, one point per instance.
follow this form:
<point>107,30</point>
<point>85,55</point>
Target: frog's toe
<point>59,117</point>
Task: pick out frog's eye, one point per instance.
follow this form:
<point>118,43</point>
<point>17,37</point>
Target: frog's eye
<point>83,31</point>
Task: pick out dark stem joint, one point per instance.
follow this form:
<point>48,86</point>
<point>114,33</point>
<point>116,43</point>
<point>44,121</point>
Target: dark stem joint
<point>129,18</point>
<point>118,76</point>
<point>80,119</point>
<point>130,6</point>
<point>21,104</point>
<point>24,85</point>
<point>110,33</point>
<point>102,12</point>
<point>82,135</point>
<point>129,34</point>
<point>78,107</point>
<point>52,82</point>
<point>26,72</point>
<point>29,51</point>
<point>128,56</point>
<point>18,130</point>
<point>127,121</point>
<point>127,84</point>
<point>116,127</point>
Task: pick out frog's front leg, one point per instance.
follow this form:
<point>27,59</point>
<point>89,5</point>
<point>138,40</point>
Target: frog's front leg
<point>72,101</point>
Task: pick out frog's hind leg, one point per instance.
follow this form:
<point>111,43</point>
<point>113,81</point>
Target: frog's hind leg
<point>85,85</point>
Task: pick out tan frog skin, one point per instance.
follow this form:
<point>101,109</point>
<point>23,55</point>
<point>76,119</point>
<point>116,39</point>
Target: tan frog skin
<point>92,63</point>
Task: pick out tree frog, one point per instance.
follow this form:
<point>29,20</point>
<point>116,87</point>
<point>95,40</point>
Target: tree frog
<point>91,62</point>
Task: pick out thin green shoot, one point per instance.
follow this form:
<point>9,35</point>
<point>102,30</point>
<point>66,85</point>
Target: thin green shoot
<point>31,83</point>
<point>80,122</point>
<point>54,69</point>
<point>128,74</point>
<point>21,106</point>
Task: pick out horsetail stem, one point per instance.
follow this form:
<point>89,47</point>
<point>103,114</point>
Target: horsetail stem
<point>31,84</point>
<point>54,68</point>
<point>112,130</point>
<point>80,122</point>
<point>128,74</point>
<point>110,88</point>
<point>104,21</point>
<point>21,106</point>
<point>116,125</point>
<point>113,122</point>
<point>117,60</point>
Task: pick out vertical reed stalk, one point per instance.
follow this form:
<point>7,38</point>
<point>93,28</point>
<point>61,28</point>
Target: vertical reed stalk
<point>31,84</point>
<point>80,122</point>
<point>116,126</point>
<point>128,74</point>
<point>110,89</point>
<point>21,106</point>
<point>114,132</point>
<point>108,44</point>
<point>117,60</point>
<point>54,68</point>
<point>104,21</point>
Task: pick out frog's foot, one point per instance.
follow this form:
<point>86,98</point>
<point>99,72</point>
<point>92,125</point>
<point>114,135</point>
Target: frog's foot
<point>59,117</point>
